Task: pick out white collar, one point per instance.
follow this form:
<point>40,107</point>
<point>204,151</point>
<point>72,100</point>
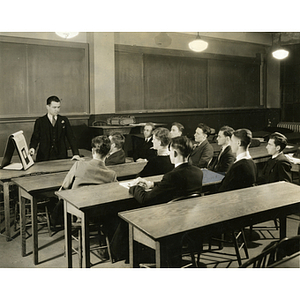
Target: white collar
<point>50,117</point>
<point>163,152</point>
<point>224,147</point>
<point>180,163</point>
<point>243,155</point>
<point>275,155</point>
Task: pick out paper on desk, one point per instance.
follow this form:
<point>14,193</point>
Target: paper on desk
<point>126,184</point>
<point>14,166</point>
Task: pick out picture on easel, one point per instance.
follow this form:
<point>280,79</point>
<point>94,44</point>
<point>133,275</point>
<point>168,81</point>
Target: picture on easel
<point>16,141</point>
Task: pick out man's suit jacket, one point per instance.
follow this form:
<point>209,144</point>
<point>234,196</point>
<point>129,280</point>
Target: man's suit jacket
<point>277,169</point>
<point>116,158</point>
<point>88,173</point>
<point>42,137</point>
<point>144,150</point>
<point>241,174</point>
<point>224,161</point>
<point>181,181</point>
<point>202,155</point>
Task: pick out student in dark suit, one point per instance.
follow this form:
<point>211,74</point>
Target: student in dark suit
<point>161,163</point>
<point>176,129</point>
<point>225,158</point>
<point>50,134</point>
<point>203,151</point>
<point>116,154</point>
<point>277,168</point>
<point>243,172</point>
<point>145,149</point>
<point>183,180</point>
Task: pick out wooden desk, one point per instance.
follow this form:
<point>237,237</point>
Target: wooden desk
<point>292,261</point>
<point>152,226</point>
<point>100,200</point>
<point>45,167</point>
<point>54,166</point>
<point>30,186</point>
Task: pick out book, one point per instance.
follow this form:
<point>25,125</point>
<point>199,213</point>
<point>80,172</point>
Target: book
<point>16,141</point>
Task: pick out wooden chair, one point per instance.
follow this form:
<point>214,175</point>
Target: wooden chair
<point>100,236</point>
<point>274,252</point>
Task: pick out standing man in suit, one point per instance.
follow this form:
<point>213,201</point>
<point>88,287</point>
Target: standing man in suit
<point>225,158</point>
<point>203,151</point>
<point>50,134</point>
<point>145,149</point>
<point>277,168</point>
<point>242,173</point>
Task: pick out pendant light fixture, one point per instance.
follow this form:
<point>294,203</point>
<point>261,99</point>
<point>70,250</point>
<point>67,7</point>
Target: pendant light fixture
<point>279,52</point>
<point>198,45</point>
<point>67,35</point>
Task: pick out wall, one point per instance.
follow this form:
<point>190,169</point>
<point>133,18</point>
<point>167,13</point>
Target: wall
<point>102,79</point>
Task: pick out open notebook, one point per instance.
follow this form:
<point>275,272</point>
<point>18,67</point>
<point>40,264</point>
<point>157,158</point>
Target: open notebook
<point>16,141</point>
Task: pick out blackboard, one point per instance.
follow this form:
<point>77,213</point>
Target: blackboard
<point>32,70</point>
<point>148,82</point>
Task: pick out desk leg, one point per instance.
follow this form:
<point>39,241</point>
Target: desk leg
<point>6,210</point>
<point>131,262</point>
<point>68,241</point>
<point>34,229</point>
<point>85,241</point>
<point>282,228</point>
<point>22,222</point>
<point>157,255</point>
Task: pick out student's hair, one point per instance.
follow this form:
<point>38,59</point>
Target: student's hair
<point>150,124</point>
<point>244,135</point>
<point>279,140</point>
<point>52,99</point>
<point>227,131</point>
<point>178,125</point>
<point>182,145</point>
<point>204,128</point>
<point>102,144</point>
<point>118,139</point>
<point>162,134</point>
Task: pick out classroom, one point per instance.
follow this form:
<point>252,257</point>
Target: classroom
<point>117,85</point>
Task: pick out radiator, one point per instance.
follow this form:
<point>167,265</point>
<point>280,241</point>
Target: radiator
<point>295,126</point>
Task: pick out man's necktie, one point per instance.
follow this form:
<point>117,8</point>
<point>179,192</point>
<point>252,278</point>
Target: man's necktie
<point>53,121</point>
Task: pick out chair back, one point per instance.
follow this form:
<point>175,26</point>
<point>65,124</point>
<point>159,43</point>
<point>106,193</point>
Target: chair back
<point>185,197</point>
<point>274,252</point>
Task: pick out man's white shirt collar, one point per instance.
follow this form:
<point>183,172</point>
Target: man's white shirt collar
<point>243,155</point>
<point>275,155</point>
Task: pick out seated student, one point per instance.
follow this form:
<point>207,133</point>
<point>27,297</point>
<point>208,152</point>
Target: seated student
<point>225,158</point>
<point>161,163</point>
<point>176,129</point>
<point>116,154</point>
<point>88,172</point>
<point>242,173</point>
<point>145,149</point>
<point>277,168</point>
<point>203,151</point>
<point>183,180</point>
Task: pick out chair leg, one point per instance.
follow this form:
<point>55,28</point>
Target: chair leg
<point>48,220</point>
<point>238,247</point>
